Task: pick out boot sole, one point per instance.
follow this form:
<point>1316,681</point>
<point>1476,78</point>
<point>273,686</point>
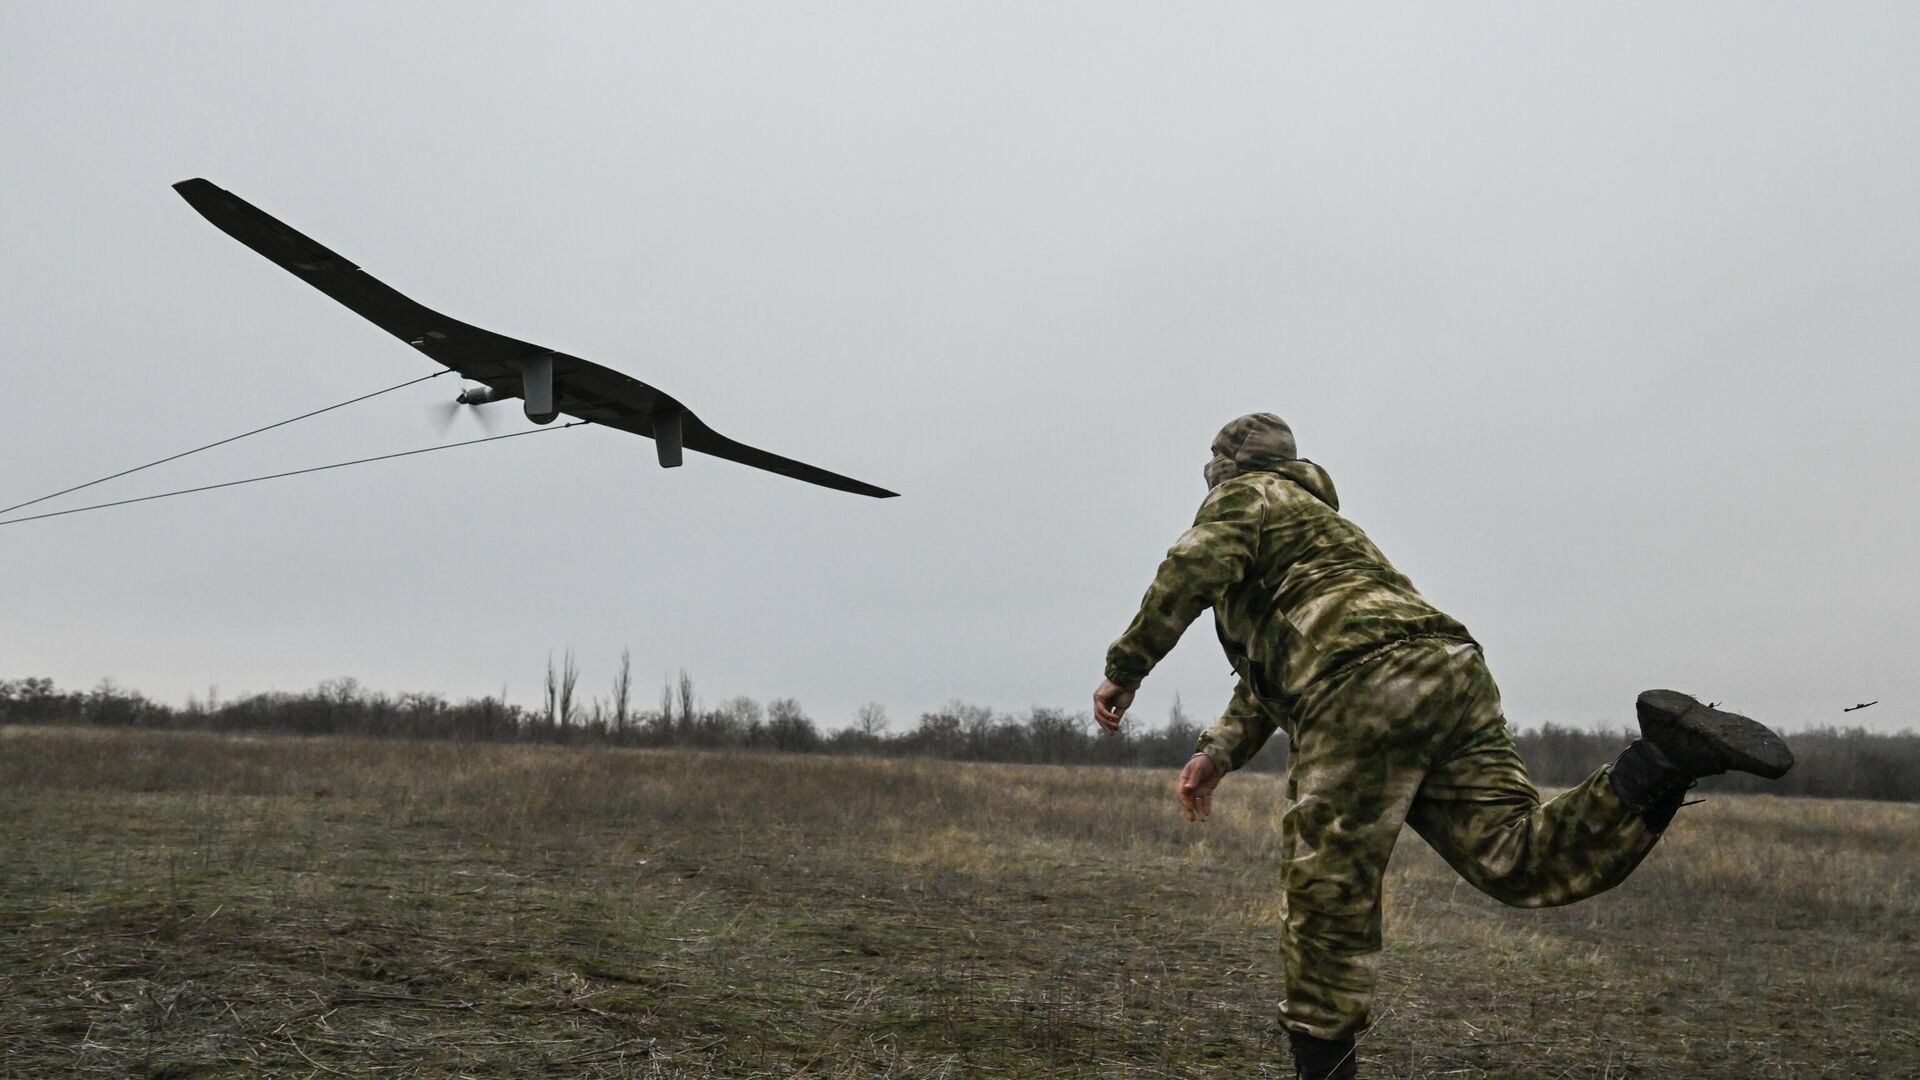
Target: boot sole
<point>1676,721</point>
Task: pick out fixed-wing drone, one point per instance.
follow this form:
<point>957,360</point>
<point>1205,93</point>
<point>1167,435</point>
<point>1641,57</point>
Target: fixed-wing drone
<point>549,382</point>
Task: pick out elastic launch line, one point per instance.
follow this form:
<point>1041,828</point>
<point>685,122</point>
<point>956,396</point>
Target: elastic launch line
<point>211,445</point>
<point>295,472</point>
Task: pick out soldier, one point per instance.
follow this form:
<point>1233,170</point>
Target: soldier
<point>1393,719</point>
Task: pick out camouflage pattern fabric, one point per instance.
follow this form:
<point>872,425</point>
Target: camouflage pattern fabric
<point>1255,441</point>
<point>1416,736</point>
<point>1393,717</point>
<point>1297,591</point>
<point>1241,731</point>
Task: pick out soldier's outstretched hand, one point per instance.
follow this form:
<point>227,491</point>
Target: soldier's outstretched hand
<point>1110,704</point>
<point>1197,782</point>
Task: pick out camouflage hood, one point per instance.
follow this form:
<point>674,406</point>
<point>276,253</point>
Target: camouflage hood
<point>1262,442</point>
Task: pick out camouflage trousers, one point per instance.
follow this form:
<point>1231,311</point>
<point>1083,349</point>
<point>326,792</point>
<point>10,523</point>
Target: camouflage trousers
<point>1416,736</point>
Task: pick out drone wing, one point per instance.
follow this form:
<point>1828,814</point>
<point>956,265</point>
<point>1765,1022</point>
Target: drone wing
<point>604,396</point>
<point>509,366</point>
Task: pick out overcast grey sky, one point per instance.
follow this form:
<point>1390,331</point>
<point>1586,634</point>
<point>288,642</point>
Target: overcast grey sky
<point>1603,321</point>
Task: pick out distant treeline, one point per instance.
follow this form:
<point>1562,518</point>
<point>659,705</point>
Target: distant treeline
<point>1831,762</point>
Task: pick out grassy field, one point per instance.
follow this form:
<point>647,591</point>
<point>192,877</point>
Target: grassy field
<point>185,905</point>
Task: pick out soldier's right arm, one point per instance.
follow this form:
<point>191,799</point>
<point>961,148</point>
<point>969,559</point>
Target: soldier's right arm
<point>1240,732</point>
<point>1208,559</point>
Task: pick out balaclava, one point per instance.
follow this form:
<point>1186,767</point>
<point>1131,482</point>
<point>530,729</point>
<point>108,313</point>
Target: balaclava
<point>1253,442</point>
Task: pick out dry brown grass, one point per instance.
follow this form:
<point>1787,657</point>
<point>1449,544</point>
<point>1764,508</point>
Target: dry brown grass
<point>180,905</point>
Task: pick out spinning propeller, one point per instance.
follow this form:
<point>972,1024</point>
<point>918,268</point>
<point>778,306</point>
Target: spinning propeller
<point>468,401</point>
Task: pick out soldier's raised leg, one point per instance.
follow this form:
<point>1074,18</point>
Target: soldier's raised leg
<point>1417,735</point>
<point>1480,811</point>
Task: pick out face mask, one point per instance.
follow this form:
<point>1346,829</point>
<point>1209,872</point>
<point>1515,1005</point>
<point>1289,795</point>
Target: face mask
<point>1219,469</point>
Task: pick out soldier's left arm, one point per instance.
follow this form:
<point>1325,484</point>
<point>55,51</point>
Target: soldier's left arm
<point>1202,565</point>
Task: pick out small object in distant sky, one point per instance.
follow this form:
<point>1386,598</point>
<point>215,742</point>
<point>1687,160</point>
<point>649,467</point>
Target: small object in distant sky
<point>549,382</point>
<point>1862,705</point>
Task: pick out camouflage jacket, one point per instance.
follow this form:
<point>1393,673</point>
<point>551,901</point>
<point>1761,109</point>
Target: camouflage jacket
<point>1297,591</point>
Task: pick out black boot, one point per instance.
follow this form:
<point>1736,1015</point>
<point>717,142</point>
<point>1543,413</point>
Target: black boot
<point>1681,741</point>
<point>1704,741</point>
<point>1649,783</point>
<point>1322,1059</point>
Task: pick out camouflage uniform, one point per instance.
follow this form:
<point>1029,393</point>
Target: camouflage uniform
<point>1391,712</point>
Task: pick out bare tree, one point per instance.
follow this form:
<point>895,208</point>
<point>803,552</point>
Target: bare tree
<point>789,726</point>
<point>1056,733</point>
<point>976,726</point>
<point>553,691</point>
<point>344,690</point>
<point>569,678</point>
<point>622,692</point>
<point>871,720</point>
<point>738,721</point>
<point>1181,730</point>
<point>686,698</point>
<point>939,731</point>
